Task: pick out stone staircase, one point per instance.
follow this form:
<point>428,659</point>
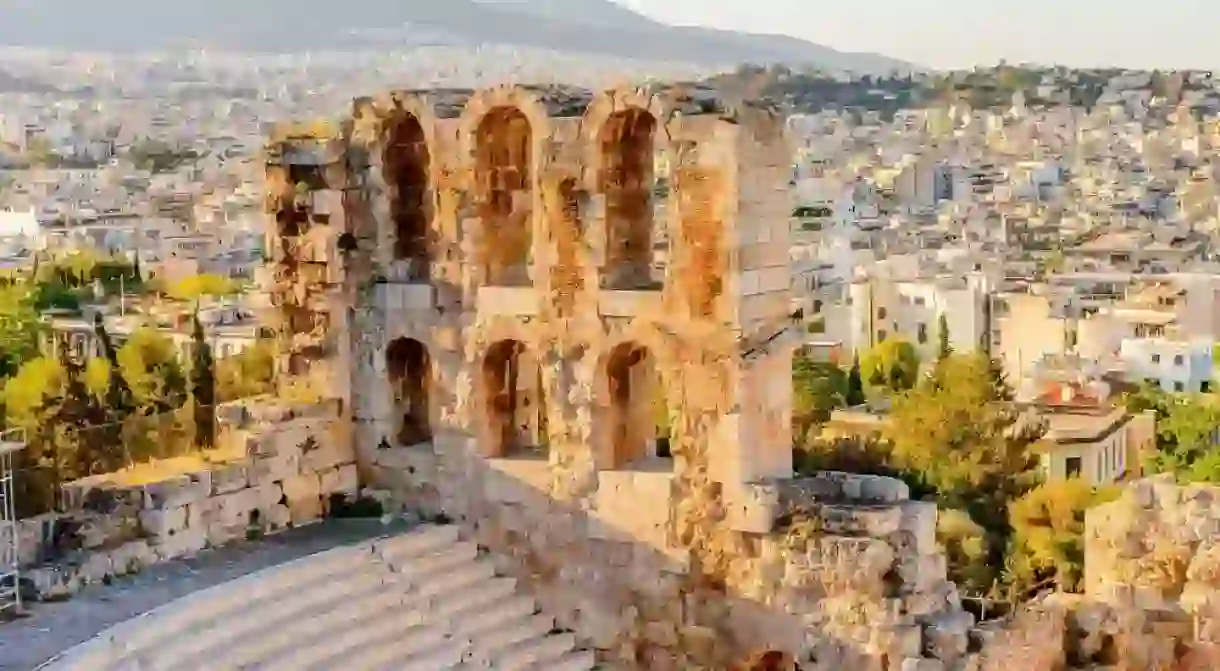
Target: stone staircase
<point>421,601</point>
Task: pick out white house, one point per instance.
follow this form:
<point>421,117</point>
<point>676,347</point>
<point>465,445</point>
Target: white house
<point>1174,365</point>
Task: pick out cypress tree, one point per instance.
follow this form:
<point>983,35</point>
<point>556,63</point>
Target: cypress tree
<point>203,388</point>
<point>942,327</point>
<point>119,400</point>
<point>855,385</point>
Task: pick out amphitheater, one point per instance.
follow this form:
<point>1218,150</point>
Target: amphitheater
<point>557,323</point>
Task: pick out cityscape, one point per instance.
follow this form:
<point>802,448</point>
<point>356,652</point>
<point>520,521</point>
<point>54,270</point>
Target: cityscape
<point>529,335</point>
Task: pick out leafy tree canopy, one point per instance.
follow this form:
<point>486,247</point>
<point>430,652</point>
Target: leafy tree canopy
<point>891,366</point>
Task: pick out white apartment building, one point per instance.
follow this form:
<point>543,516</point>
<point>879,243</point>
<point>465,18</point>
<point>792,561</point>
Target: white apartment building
<point>910,309</point>
<point>1174,365</point>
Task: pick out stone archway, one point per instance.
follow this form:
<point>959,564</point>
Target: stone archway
<point>514,403</point>
<point>503,175</point>
<point>638,411</point>
<point>410,367</point>
<point>626,180</point>
<point>407,164</point>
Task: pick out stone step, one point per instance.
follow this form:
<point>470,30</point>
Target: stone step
<point>273,642</point>
<point>430,562</point>
<point>423,643</point>
<point>370,583</point>
<point>186,614</point>
<point>576,660</point>
<point>424,540</point>
<point>374,630</point>
<point>456,577</point>
<point>491,645</point>
<point>473,596</point>
<point>528,654</point>
<point>489,617</point>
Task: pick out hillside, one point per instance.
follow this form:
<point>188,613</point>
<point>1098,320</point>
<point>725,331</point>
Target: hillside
<point>588,26</point>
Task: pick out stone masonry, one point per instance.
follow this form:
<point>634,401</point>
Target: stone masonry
<point>281,463</point>
<point>476,277</point>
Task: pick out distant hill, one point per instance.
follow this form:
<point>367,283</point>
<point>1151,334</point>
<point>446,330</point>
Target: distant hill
<point>588,26</point>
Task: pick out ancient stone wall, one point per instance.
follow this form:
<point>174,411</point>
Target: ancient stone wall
<point>609,414</point>
<point>275,466</point>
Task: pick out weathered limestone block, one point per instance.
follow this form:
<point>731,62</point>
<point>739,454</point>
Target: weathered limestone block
<point>274,468</point>
<point>947,637</point>
<point>304,486</point>
<point>303,495</point>
<point>164,522</point>
<point>234,510</point>
<point>921,664</point>
<point>187,543</point>
<point>231,477</point>
<point>200,515</point>
<point>327,454</point>
<point>178,491</point>
<point>268,495</point>
<point>100,530</point>
<point>132,557</point>
<point>340,480</point>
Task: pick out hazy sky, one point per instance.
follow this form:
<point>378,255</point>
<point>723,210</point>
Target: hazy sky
<point>962,33</point>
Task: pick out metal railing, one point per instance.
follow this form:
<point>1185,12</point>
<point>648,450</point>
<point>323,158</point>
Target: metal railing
<point>10,578</point>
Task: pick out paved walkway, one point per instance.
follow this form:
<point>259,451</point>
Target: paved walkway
<point>54,627</point>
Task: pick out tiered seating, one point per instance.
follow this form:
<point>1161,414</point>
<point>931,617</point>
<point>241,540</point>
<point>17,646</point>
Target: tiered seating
<point>421,601</point>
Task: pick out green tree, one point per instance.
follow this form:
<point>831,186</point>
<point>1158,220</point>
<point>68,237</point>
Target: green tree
<point>943,349</point>
<point>85,415</point>
<point>818,388</point>
<point>250,373</point>
<point>197,286</point>
<point>1048,533</point>
<point>20,328</point>
<point>203,388</point>
<point>31,402</point>
<point>855,384</point>
<point>974,449</point>
<point>1185,445</point>
<point>891,366</point>
<point>149,363</point>
<point>967,550</point>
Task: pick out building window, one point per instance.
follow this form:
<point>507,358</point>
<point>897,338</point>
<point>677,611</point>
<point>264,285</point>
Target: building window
<point>923,334</point>
<point>1178,386</point>
<point>1205,386</point>
<point>1071,467</point>
<point>1156,358</point>
<point>1177,360</point>
<point>1101,471</point>
<point>881,336</point>
<point>817,306</point>
<point>919,300</point>
<point>881,313</point>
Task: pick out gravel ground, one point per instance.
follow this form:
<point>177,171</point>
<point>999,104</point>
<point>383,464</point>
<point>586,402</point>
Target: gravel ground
<point>54,627</point>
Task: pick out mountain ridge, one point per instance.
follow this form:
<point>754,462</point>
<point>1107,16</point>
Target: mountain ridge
<point>585,26</point>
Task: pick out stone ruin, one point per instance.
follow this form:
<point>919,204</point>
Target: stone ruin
<point>562,319</point>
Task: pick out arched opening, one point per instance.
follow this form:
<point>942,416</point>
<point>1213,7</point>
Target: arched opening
<point>639,412</point>
<point>504,156</point>
<point>515,401</point>
<point>627,182</point>
<point>407,164</point>
<point>409,368</point>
